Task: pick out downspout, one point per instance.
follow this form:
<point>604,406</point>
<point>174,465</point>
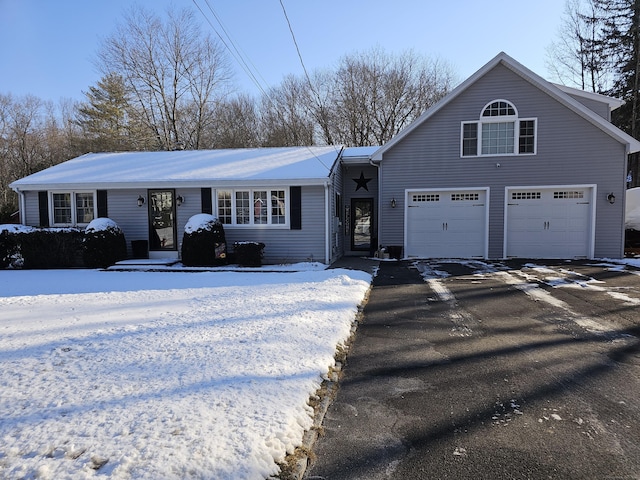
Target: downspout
<point>22,205</point>
<point>327,208</point>
<point>327,215</point>
<point>379,208</point>
<point>627,152</point>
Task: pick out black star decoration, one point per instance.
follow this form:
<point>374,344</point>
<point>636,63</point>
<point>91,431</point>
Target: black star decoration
<point>362,182</point>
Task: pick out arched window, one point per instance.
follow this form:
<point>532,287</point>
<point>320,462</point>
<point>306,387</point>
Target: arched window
<point>499,131</point>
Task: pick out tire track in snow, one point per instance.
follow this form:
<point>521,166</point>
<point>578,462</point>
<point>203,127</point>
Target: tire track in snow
<point>533,291</point>
<point>456,315</point>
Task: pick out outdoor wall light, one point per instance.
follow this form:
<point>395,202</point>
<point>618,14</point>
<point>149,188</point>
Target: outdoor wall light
<point>393,203</point>
<point>611,198</point>
<point>140,200</point>
<point>179,200</point>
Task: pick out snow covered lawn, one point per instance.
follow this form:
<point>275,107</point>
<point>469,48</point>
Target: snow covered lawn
<point>161,375</point>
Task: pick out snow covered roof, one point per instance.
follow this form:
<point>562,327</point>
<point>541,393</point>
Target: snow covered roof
<point>561,95</point>
<point>299,165</point>
<point>357,154</point>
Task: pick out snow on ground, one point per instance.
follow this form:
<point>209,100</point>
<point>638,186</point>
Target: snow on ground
<point>527,280</point>
<point>632,209</point>
<point>148,375</point>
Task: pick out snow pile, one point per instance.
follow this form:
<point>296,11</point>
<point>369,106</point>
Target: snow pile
<point>632,210</point>
<point>201,221</point>
<point>102,225</point>
<point>138,375</point>
<point>11,228</point>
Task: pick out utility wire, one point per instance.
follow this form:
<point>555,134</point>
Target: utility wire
<point>235,53</point>
<point>295,42</point>
<point>243,56</point>
<point>304,68</point>
<point>239,57</point>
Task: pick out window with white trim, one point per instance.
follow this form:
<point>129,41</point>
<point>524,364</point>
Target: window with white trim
<point>499,131</point>
<point>72,208</point>
<point>252,207</point>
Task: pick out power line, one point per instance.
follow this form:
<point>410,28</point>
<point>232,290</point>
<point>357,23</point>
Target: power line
<point>249,70</point>
<point>231,47</point>
<point>304,68</point>
<point>295,42</point>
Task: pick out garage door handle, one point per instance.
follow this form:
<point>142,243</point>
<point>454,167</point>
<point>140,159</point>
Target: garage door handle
<point>445,226</point>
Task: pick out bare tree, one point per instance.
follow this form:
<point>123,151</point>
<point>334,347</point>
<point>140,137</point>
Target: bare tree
<point>377,94</point>
<point>32,137</point>
<point>174,72</point>
<point>284,118</point>
<point>237,124</point>
<point>578,57</point>
<point>367,100</point>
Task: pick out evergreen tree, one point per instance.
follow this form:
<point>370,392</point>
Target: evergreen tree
<point>621,39</point>
<point>106,118</point>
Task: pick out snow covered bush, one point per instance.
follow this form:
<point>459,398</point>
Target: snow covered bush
<point>8,246</point>
<point>204,243</point>
<point>248,254</point>
<point>103,243</point>
<point>30,247</point>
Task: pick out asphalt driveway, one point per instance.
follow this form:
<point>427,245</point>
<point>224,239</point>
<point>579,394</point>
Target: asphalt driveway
<point>486,370</point>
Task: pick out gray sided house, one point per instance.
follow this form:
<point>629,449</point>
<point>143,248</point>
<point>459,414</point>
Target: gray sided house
<point>507,165</point>
<point>282,197</point>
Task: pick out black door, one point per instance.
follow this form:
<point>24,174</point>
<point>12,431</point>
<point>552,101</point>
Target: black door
<point>162,225</point>
<point>362,224</point>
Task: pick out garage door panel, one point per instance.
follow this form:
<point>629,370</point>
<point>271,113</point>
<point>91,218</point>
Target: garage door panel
<point>446,224</point>
<point>549,222</point>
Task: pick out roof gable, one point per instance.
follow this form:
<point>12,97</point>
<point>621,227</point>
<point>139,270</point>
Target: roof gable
<point>632,145</point>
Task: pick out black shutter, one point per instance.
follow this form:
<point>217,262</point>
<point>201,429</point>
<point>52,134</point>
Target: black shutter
<point>206,200</point>
<point>102,204</point>
<point>295,197</point>
<point>43,208</point>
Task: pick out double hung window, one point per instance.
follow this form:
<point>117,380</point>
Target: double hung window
<point>72,208</point>
<point>252,207</point>
<point>499,131</point>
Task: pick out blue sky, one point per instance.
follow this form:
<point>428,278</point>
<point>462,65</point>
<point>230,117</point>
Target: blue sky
<point>47,47</point>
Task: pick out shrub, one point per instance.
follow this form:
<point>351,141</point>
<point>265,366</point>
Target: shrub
<point>8,247</point>
<point>30,247</point>
<point>204,243</point>
<point>632,238</point>
<point>51,248</point>
<point>248,254</point>
<point>103,244</point>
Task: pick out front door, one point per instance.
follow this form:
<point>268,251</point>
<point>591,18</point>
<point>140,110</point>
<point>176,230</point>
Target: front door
<point>362,224</point>
<point>162,224</point>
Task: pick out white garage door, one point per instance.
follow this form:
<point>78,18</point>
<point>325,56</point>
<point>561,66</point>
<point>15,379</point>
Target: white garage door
<point>549,222</point>
<point>448,223</point>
